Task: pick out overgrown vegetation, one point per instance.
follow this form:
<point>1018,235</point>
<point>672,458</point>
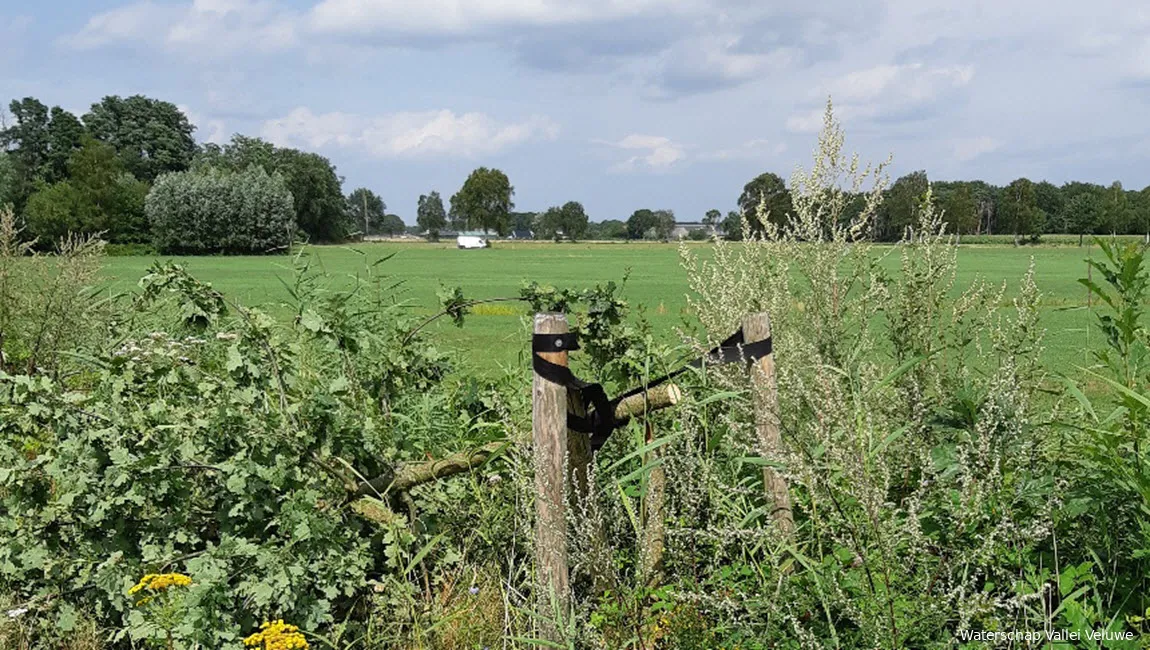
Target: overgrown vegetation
<point>942,483</point>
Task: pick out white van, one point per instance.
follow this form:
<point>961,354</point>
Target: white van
<point>471,241</point>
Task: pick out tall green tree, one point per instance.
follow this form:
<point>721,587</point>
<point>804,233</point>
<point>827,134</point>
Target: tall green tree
<point>392,225</point>
<point>1018,210</point>
<point>569,220</point>
<point>712,219</point>
<point>7,180</point>
<point>367,210</point>
<point>733,226</point>
<point>1048,197</point>
<point>41,142</point>
<point>770,192</point>
<point>430,215</point>
<point>1116,214</point>
<point>899,209</point>
<point>960,210</point>
<point>65,136</point>
<point>100,196</point>
<point>664,224</point>
<point>484,202</point>
<point>215,210</point>
<point>150,136</point>
<point>321,210</point>
<point>1083,214</point>
<point>639,223</point>
<point>1141,212</point>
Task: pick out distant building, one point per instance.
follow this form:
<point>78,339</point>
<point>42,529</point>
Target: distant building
<point>683,229</point>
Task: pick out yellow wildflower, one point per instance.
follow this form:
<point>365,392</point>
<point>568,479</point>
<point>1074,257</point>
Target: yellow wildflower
<point>277,635</point>
<point>158,582</point>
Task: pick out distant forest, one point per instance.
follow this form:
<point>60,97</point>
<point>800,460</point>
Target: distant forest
<point>130,168</point>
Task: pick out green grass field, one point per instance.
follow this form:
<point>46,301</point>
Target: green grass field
<point>495,333</point>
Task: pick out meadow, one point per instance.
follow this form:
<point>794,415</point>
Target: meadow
<point>495,334</point>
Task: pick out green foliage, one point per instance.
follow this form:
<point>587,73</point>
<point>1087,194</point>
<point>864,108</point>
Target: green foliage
<point>654,224</point>
<point>1123,290</point>
<point>42,141</point>
<point>48,307</point>
<point>484,202</point>
<point>98,198</point>
<point>367,211</point>
<point>1018,210</point>
<point>211,451</point>
<point>430,215</point>
<point>1108,507</point>
<point>151,137</point>
<point>764,198</point>
<point>961,210</point>
<point>899,209</point>
<point>7,179</point>
<point>217,211</point>
<point>392,225</point>
<point>607,229</point>
<point>568,221</point>
<point>320,209</point>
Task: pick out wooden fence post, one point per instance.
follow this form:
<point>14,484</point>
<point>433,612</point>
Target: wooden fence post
<point>549,426</point>
<point>757,327</point>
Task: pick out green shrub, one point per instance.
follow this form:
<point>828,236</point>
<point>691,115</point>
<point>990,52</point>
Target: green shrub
<point>211,451</point>
<point>99,198</point>
<point>214,211</point>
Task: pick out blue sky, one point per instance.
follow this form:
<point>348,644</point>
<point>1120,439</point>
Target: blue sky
<point>619,104</point>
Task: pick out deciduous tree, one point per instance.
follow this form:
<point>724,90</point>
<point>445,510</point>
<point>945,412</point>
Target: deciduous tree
<point>1018,210</point>
<point>150,136</point>
<point>430,215</point>
<point>220,211</point>
<point>367,210</point>
<point>769,192</point>
<point>899,209</point>
<point>100,196</point>
<point>484,201</point>
<point>568,220</point>
<point>317,194</point>
<point>639,223</point>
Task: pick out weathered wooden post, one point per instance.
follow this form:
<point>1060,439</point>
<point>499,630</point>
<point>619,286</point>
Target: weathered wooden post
<point>757,327</point>
<point>549,426</point>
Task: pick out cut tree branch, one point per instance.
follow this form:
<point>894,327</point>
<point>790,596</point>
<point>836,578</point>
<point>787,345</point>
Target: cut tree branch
<point>410,475</point>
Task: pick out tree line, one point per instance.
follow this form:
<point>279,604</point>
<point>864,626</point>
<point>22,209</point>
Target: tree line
<point>1024,208</point>
<point>130,170</point>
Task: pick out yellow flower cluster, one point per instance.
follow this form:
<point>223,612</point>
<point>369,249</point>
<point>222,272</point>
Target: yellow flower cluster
<point>277,635</point>
<point>157,582</point>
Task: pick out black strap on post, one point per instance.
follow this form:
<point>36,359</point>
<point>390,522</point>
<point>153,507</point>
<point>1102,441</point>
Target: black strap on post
<point>600,422</point>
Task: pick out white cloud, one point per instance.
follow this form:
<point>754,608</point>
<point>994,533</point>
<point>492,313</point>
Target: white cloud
<point>432,17</point>
<point>203,29</point>
<point>407,135</point>
<point>655,152</point>
<point>710,61</point>
<point>970,148</point>
<point>884,90</point>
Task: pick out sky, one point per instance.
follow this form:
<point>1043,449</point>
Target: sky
<point>618,104</point>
